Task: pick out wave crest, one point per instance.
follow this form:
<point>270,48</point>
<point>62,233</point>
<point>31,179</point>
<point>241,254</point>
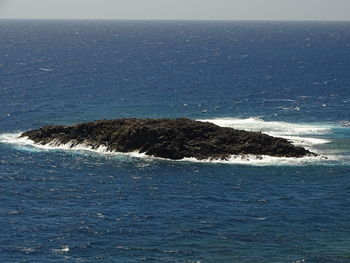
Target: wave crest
<point>297,133</point>
<point>263,160</point>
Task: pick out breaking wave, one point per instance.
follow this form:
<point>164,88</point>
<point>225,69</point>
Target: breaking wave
<point>299,134</point>
<point>275,127</point>
<point>311,136</point>
<point>27,144</point>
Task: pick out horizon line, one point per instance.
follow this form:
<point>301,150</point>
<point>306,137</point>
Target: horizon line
<point>173,20</point>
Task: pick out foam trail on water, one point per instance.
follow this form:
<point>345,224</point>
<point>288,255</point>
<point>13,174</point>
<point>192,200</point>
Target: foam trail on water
<point>295,132</point>
<point>279,127</point>
<point>305,141</point>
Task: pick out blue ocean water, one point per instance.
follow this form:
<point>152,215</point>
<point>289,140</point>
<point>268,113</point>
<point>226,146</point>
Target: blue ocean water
<point>289,79</point>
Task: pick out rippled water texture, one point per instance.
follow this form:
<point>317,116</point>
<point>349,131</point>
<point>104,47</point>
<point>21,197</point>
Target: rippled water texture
<point>76,205</point>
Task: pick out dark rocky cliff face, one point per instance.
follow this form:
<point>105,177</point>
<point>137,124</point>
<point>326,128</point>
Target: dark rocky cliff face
<point>167,138</point>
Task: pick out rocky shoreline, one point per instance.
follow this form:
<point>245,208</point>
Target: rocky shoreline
<point>167,138</point>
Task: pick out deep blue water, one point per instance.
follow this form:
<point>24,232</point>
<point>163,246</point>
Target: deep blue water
<point>284,78</point>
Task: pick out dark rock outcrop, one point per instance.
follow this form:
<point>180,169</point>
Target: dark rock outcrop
<point>167,138</point>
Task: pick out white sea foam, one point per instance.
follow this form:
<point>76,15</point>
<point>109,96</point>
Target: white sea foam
<point>299,134</point>
<point>46,69</point>
<point>305,141</point>
<point>291,131</point>
<point>64,249</point>
<point>265,160</point>
<point>271,127</point>
<point>16,139</point>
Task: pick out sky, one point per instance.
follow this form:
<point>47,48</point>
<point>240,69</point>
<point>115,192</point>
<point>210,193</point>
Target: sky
<point>178,9</point>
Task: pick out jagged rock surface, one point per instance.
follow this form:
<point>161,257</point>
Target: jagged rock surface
<point>167,138</point>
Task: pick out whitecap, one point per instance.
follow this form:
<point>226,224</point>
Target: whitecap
<point>14,138</point>
<point>247,124</point>
<point>273,128</point>
<point>27,144</point>
<point>266,160</point>
<point>64,249</point>
<point>46,69</point>
<point>306,141</point>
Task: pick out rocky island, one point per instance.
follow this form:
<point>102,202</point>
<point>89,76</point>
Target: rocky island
<point>166,138</point>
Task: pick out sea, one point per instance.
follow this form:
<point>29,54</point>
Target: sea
<point>286,79</point>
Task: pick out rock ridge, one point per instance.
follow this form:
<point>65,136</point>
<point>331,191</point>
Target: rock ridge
<point>167,138</point>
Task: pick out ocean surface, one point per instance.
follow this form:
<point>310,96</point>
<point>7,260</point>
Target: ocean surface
<point>288,79</point>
